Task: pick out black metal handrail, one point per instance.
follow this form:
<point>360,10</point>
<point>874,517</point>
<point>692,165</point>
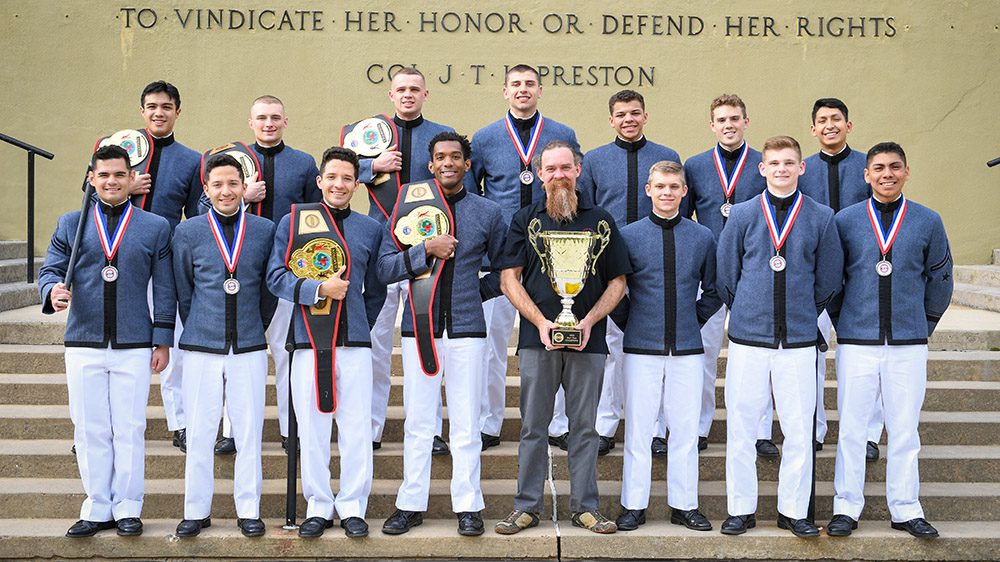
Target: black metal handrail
<point>32,151</point>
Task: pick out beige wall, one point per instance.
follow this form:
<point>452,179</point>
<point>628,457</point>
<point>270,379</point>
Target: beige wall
<point>72,71</point>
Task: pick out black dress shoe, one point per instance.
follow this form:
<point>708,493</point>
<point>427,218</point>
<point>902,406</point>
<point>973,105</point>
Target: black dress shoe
<point>817,445</point>
<point>841,526</point>
<point>918,527</point>
<point>561,441</point>
<point>630,519</point>
<point>251,527</point>
<point>691,518</point>
<point>871,452</point>
<point>180,439</point>
<point>73,449</point>
<point>129,527</point>
<point>354,527</point>
<point>440,447</point>
<point>738,524</point>
<point>470,524</point>
<point>225,446</point>
<point>314,527</point>
<point>376,445</point>
<point>604,445</point>
<point>84,528</point>
<point>801,528</point>
<point>191,527</point>
<point>402,521</point>
<point>659,448</point>
<point>702,443</point>
<point>489,440</point>
<point>767,449</point>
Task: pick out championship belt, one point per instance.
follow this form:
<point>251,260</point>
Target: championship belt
<point>244,155</point>
<point>139,146</point>
<point>422,214</point>
<point>316,250</point>
<point>369,138</point>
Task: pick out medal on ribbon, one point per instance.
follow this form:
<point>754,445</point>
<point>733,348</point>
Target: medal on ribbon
<point>525,153</point>
<point>886,239</point>
<point>729,184</point>
<point>230,254</point>
<point>779,235</point>
<point>111,243</point>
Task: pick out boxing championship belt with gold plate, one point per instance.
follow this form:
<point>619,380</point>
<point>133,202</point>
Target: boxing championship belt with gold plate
<point>139,145</point>
<point>421,214</point>
<point>247,159</point>
<point>316,250</point>
<point>369,138</point>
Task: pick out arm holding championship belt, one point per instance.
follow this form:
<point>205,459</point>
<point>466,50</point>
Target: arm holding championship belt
<point>372,139</point>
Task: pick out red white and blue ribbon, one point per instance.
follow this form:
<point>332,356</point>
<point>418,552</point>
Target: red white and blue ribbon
<point>729,184</point>
<point>779,236</point>
<point>111,243</point>
<point>231,255</point>
<point>886,239</point>
<point>536,133</point>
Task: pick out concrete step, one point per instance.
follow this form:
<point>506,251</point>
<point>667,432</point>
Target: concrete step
<point>18,295</point>
<point>437,539</point>
<point>13,270</point>
<point>12,249</point>
<point>51,458</point>
<point>941,365</point>
<point>977,296</point>
<point>164,498</point>
<point>936,428</point>
<point>959,396</point>
<point>982,275</point>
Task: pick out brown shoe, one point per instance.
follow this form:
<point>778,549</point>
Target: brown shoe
<point>516,522</point>
<point>594,521</point>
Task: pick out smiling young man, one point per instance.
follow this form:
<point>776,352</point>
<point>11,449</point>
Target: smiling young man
<point>220,260</point>
<point>502,171</point>
<point>779,265</point>
<point>717,179</point>
<point>671,258</point>
<point>453,259</point>
<point>897,286</point>
<point>408,160</point>
<point>287,177</point>
<point>610,177</point>
<point>354,287</point>
<point>109,336</point>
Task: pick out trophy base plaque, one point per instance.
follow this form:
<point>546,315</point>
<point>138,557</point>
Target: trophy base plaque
<point>566,337</point>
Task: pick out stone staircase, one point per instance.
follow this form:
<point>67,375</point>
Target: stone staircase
<point>40,490</point>
<point>14,291</point>
<point>978,286</point>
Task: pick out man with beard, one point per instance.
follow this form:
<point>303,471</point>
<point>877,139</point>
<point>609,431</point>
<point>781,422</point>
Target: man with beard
<point>544,368</point>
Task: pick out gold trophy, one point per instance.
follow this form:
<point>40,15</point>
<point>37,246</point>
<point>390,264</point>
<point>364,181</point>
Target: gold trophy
<point>568,257</point>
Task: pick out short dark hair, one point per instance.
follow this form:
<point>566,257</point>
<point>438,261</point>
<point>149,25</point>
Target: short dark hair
<point>731,100</point>
<point>520,68</point>
<point>221,160</point>
<point>626,96</point>
<point>883,148</point>
<point>446,136</point>
<point>832,103</point>
<point>552,145</point>
<point>110,152</point>
<point>340,153</point>
<point>161,86</point>
<point>408,71</point>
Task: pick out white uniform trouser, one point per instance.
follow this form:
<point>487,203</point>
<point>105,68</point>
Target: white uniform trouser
<point>460,363</point>
<point>354,440</point>
<point>655,383</point>
<point>824,325</point>
<point>382,334</point>
<point>900,373</point>
<point>277,333</point>
<point>171,378</point>
<point>610,407</point>
<point>711,341</point>
<point>108,389</point>
<point>750,373</point>
<point>240,380</point>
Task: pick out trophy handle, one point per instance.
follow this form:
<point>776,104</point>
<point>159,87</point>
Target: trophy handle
<point>604,235</point>
<point>534,231</point>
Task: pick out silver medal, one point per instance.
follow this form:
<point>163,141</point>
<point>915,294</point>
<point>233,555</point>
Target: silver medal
<point>883,268</point>
<point>109,274</point>
<point>777,263</point>
<point>527,177</point>
<point>725,209</point>
<point>231,286</point>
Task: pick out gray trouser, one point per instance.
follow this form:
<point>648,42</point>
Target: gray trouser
<point>581,375</point>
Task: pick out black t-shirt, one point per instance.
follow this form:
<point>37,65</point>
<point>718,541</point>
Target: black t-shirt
<point>613,262</point>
